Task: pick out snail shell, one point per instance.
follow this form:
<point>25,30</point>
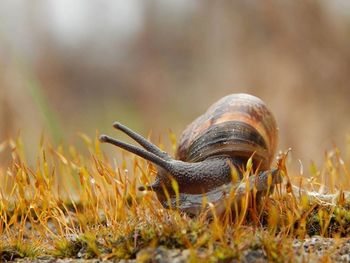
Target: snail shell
<point>233,129</point>
<point>238,125</point>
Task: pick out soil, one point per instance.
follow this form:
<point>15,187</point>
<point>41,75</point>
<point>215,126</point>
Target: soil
<point>315,249</point>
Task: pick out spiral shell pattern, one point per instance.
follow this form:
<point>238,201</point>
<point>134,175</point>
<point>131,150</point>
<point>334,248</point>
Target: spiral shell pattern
<point>238,125</point>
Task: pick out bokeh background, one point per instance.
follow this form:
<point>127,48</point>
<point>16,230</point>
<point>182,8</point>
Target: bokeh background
<point>77,66</point>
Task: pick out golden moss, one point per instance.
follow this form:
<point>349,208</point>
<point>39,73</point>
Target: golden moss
<point>71,204</point>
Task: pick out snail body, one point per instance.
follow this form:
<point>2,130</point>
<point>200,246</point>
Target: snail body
<point>232,130</point>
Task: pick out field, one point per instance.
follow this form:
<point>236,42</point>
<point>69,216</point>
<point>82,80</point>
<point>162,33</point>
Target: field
<point>67,72</point>
<point>82,205</point>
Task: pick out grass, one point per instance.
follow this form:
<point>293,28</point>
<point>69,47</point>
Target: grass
<point>81,204</point>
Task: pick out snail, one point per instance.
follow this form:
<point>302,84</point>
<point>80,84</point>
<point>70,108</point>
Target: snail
<point>211,149</point>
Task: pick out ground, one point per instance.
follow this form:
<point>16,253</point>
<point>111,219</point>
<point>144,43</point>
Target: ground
<point>80,206</point>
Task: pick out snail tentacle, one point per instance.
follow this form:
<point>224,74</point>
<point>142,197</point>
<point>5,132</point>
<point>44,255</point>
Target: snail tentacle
<point>136,150</point>
<point>142,141</point>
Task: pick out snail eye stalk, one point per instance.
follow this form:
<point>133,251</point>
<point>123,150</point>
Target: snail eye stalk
<point>142,141</point>
<point>136,150</point>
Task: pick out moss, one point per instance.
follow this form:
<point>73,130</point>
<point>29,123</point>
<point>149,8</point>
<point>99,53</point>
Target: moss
<point>74,205</point>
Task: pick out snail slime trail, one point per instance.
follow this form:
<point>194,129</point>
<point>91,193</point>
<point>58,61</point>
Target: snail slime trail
<point>219,143</point>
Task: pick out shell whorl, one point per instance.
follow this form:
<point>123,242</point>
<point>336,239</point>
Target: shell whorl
<point>238,125</point>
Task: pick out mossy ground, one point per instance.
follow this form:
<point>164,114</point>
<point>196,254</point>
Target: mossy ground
<point>80,204</point>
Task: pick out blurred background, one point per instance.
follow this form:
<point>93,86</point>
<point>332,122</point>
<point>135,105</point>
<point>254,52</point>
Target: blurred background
<point>77,66</point>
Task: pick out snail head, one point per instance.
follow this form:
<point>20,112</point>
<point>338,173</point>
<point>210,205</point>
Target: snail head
<point>192,177</point>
